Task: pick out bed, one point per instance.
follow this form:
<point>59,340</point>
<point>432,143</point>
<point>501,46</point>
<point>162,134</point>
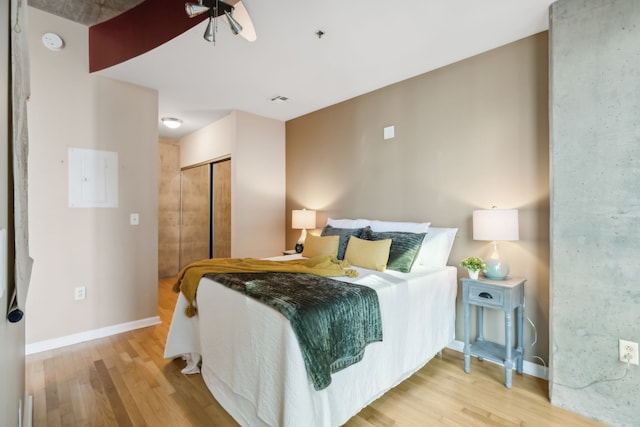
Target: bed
<point>250,360</point>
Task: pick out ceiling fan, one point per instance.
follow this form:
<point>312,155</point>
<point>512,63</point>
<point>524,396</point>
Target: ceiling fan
<point>236,16</point>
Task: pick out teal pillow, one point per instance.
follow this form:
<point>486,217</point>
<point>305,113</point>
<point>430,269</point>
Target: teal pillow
<point>344,234</point>
<point>404,247</point>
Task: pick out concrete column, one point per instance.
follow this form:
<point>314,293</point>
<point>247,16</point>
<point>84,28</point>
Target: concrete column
<point>595,205</point>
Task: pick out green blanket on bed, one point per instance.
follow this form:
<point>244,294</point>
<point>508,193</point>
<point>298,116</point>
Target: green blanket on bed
<point>189,276</point>
<point>332,320</point>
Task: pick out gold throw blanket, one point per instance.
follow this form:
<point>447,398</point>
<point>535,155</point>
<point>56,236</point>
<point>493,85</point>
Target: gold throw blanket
<point>190,276</point>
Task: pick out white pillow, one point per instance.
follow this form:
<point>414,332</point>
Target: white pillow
<point>407,227</point>
<point>348,223</point>
<point>436,247</point>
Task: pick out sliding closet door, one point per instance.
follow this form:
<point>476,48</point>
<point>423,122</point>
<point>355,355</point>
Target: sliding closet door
<point>195,234</point>
<point>222,209</point>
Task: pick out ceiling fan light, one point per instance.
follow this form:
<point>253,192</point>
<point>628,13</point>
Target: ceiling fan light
<point>241,15</point>
<point>210,32</point>
<point>195,9</point>
<point>235,26</point>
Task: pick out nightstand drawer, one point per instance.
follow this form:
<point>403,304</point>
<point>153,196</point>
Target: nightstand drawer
<point>486,296</point>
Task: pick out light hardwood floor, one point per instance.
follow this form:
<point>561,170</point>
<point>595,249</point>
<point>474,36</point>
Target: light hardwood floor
<point>123,380</point>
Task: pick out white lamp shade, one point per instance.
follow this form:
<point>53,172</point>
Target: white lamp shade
<point>302,219</point>
<point>495,224</point>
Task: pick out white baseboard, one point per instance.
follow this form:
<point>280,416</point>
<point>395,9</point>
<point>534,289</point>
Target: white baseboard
<point>54,343</point>
<point>528,368</point>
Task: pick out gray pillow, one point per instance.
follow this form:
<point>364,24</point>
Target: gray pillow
<point>404,247</point>
<point>344,234</point>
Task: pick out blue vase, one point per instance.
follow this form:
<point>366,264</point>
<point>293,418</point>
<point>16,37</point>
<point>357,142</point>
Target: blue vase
<point>496,269</point>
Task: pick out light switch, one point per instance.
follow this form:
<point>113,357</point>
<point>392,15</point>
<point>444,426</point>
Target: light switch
<point>134,219</point>
<point>389,132</point>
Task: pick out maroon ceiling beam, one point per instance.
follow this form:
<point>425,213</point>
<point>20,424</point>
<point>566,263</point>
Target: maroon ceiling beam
<point>136,31</point>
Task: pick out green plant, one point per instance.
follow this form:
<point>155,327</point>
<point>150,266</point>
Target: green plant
<point>473,263</point>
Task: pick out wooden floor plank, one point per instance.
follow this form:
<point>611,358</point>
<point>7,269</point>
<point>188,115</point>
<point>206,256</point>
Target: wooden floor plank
<point>67,415</point>
<point>51,393</point>
<point>124,380</point>
<point>39,408</point>
<point>129,403</point>
<point>115,400</point>
<point>102,409</point>
<point>142,395</point>
<point>53,418</point>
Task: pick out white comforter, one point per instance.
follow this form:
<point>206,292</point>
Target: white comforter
<point>252,364</point>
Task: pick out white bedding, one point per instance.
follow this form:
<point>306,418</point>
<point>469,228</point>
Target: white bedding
<point>252,364</point>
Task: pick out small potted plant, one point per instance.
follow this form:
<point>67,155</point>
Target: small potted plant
<point>474,265</point>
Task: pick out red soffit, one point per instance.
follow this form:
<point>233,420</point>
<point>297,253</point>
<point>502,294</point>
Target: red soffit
<point>136,31</point>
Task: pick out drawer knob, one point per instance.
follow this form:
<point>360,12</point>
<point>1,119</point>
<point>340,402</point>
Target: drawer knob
<point>486,295</point>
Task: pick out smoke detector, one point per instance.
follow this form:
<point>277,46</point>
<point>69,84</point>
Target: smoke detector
<point>52,41</point>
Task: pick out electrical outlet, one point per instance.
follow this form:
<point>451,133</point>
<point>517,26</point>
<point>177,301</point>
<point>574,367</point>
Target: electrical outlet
<point>628,349</point>
<point>81,293</point>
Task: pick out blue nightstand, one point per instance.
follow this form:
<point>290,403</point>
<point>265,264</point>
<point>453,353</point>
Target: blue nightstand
<point>506,295</point>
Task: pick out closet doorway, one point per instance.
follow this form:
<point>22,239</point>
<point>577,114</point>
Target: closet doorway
<point>205,212</point>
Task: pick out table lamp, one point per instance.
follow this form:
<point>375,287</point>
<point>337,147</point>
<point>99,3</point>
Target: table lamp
<point>494,225</point>
<point>302,219</point>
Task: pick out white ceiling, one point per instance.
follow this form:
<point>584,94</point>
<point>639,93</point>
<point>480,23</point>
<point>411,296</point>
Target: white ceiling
<point>368,44</point>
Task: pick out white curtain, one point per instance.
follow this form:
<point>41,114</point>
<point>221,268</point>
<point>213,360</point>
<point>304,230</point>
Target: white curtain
<point>20,93</point>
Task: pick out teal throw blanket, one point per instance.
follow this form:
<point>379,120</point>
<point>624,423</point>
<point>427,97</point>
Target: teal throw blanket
<point>332,320</point>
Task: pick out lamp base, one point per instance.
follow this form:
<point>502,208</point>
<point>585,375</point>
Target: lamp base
<point>496,269</point>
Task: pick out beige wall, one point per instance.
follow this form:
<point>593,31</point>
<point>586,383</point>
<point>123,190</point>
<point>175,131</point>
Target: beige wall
<point>11,334</point>
<point>168,207</point>
<point>257,187</point>
<point>256,146</point>
<point>470,135</point>
<point>96,248</point>
<point>212,142</point>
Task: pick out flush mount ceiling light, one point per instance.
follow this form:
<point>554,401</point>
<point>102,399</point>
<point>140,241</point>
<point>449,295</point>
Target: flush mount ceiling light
<point>239,24</point>
<point>171,122</point>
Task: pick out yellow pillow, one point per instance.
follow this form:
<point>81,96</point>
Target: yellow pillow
<point>371,254</point>
<point>318,246</point>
